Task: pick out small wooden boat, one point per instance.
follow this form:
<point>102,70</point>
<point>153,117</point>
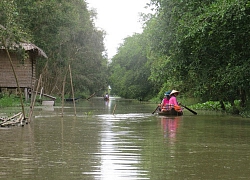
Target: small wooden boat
<point>171,112</point>
<point>106,97</point>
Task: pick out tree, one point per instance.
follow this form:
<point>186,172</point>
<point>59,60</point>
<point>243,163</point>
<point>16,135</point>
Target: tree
<point>203,44</point>
<point>11,35</point>
<point>66,32</point>
<point>129,69</point>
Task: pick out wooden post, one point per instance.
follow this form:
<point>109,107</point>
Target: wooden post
<point>33,100</point>
<point>72,88</point>
<point>64,81</point>
<point>26,94</point>
<point>14,72</point>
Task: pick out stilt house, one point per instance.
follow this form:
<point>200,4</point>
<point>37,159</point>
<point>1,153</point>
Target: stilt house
<point>25,69</point>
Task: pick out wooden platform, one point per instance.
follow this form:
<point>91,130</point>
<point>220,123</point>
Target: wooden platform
<point>46,95</point>
<point>48,103</point>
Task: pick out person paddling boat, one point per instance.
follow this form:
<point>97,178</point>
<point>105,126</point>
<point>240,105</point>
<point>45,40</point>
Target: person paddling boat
<point>164,106</point>
<point>173,103</point>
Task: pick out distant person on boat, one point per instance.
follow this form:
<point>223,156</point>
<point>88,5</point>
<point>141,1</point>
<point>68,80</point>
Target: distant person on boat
<point>165,101</point>
<point>173,101</point>
<point>106,97</point>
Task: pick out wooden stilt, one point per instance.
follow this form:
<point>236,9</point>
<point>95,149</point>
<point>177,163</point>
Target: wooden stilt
<point>14,72</point>
<point>72,88</point>
<point>64,81</point>
<point>34,99</point>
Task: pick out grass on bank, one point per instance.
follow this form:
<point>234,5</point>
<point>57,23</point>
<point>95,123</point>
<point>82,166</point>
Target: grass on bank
<point>216,106</point>
<point>14,101</point>
<point>9,101</point>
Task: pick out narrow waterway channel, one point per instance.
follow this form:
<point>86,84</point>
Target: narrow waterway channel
<point>122,139</point>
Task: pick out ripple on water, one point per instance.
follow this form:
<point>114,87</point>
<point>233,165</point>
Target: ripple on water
<point>119,157</point>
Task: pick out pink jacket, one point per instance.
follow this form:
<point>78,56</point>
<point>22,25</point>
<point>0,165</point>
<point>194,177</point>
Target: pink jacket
<point>173,100</point>
<point>165,101</point>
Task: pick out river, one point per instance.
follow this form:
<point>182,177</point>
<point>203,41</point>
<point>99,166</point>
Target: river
<point>122,139</point>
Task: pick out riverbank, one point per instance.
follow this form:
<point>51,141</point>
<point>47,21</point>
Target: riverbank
<point>14,101</point>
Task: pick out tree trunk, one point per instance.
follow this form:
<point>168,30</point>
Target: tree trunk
<point>222,105</point>
<point>243,98</point>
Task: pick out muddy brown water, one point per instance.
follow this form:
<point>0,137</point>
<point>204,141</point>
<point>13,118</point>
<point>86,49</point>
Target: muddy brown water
<point>131,144</point>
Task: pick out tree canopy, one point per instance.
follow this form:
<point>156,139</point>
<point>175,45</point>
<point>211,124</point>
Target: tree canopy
<point>198,47</point>
<point>129,69</point>
<point>66,31</point>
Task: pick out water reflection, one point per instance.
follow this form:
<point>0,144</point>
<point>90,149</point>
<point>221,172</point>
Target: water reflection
<point>120,158</point>
<point>169,126</point>
<point>131,144</point>
<point>48,108</point>
<point>107,104</point>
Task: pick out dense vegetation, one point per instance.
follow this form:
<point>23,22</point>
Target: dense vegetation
<point>129,70</point>
<point>198,47</point>
<point>65,30</point>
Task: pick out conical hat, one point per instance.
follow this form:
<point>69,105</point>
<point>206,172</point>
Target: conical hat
<point>174,91</point>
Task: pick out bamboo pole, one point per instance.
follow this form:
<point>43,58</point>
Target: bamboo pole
<point>14,72</point>
<point>64,81</point>
<point>14,116</point>
<point>10,118</point>
<point>72,88</point>
<point>92,95</point>
<point>34,98</point>
<point>18,118</point>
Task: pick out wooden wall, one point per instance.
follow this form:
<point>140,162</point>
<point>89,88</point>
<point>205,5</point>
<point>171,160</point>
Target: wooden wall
<point>25,71</point>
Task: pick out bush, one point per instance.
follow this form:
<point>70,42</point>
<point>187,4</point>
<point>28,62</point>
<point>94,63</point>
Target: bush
<point>216,106</point>
<point>9,101</point>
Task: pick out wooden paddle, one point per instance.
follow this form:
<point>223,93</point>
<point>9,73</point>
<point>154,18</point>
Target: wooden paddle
<point>155,109</point>
<point>192,111</point>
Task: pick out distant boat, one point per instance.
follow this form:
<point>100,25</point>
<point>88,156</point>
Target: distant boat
<point>71,99</point>
<point>106,97</point>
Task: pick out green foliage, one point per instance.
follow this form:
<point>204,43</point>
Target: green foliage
<point>216,106</point>
<point>198,47</point>
<point>209,105</point>
<point>210,49</point>
<point>89,113</point>
<point>129,69</point>
<point>245,114</point>
<point>201,48</point>
<point>66,32</point>
<point>9,101</point>
<point>11,30</point>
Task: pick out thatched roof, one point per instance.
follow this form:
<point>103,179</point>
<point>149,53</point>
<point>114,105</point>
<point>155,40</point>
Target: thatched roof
<point>30,46</point>
<point>27,46</point>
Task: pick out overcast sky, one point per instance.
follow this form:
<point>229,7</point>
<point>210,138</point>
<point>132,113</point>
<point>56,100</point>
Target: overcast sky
<point>119,18</point>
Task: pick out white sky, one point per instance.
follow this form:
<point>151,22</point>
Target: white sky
<point>119,18</point>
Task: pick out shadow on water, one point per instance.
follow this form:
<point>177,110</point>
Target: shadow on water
<point>122,139</point>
